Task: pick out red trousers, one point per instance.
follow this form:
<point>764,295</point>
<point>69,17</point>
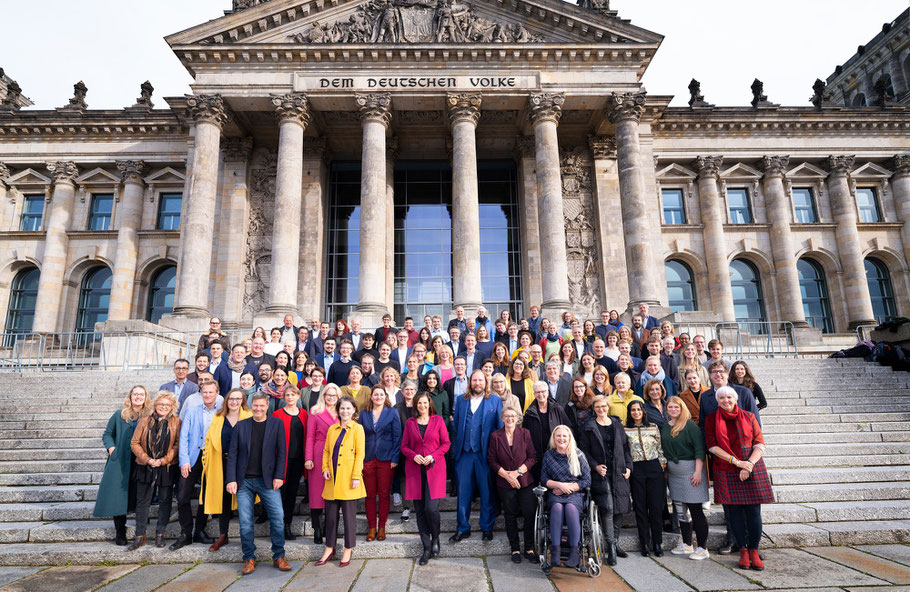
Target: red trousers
<point>377,478</point>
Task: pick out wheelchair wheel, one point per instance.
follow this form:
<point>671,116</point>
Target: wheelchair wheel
<point>595,542</point>
<point>541,538</point>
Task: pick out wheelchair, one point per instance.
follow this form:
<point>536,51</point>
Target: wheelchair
<point>591,551</point>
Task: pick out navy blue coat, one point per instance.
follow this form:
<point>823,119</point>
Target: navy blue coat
<point>383,439</point>
<point>224,379</point>
<point>491,411</point>
<point>274,451</point>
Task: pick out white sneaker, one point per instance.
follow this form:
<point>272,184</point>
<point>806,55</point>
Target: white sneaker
<point>396,499</point>
<point>699,554</point>
<point>682,549</point>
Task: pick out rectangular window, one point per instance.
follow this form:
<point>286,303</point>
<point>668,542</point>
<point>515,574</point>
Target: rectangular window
<point>867,200</point>
<point>169,211</point>
<point>740,211</point>
<point>32,213</point>
<point>674,210</point>
<point>102,207</point>
<point>804,205</point>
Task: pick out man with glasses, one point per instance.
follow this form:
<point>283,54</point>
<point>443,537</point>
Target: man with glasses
<point>180,386</point>
<point>699,342</point>
<point>213,334</point>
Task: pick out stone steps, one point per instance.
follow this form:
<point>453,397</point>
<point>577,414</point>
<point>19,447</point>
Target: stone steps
<point>840,475</point>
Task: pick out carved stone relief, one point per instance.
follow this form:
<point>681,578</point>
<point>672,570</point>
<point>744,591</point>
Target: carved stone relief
<point>577,172</point>
<point>257,259</point>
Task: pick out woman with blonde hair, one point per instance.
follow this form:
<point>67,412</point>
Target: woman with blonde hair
<point>323,415</point>
<point>688,360</point>
<point>154,444</point>
<point>499,386</point>
<point>621,396</point>
<point>444,366</point>
<point>521,382</point>
<point>390,380</point>
<point>214,497</point>
<point>565,473</point>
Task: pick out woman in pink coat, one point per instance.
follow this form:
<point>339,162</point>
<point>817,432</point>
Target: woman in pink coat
<point>322,415</point>
<point>424,444</point>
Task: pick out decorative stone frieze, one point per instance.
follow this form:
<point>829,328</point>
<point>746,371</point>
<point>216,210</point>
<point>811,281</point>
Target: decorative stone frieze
<point>625,106</point>
<point>63,171</point>
<point>4,174</point>
<point>132,171</point>
<point>293,107</point>
<point>207,108</point>
<point>545,107</point>
<point>602,147</point>
<point>375,107</point>
<point>464,107</point>
<point>236,149</point>
<point>244,4</point>
<point>580,219</point>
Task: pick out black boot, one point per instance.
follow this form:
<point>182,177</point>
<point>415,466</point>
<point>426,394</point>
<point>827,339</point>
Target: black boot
<point>611,554</point>
<point>316,518</point>
<point>434,547</point>
<point>120,531</point>
<point>288,535</point>
<point>425,558</point>
<point>658,551</point>
<point>619,552</point>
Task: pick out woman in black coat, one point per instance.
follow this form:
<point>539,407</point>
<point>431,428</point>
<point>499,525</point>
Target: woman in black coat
<point>603,440</point>
<point>541,418</point>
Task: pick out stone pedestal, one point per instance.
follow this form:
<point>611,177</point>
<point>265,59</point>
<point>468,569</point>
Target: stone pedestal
<point>713,216</point>
<point>130,217</point>
<point>464,111</point>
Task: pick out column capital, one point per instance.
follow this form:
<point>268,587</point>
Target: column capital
<point>545,107</point>
<point>839,165</point>
<point>463,107</point>
<point>391,148</point>
<point>900,164</point>
<point>625,106</point>
<point>64,171</point>
<point>207,108</point>
<point>292,107</point>
<point>708,166</point>
<point>774,166</point>
<point>602,147</point>
<point>525,147</point>
<point>375,107</point>
<point>314,148</point>
<point>131,171</point>
<point>4,172</point>
<point>236,149</point>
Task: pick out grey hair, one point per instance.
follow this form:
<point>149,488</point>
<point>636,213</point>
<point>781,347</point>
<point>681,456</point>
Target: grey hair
<point>259,395</point>
<point>553,363</point>
<point>726,390</point>
<point>408,382</point>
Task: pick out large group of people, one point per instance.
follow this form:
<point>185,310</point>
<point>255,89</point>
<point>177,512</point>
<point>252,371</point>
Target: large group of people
<point>634,416</point>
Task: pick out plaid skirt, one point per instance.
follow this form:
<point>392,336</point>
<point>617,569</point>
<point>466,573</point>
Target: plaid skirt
<point>728,489</point>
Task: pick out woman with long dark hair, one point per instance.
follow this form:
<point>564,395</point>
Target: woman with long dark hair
<point>741,375</point>
<point>648,484</point>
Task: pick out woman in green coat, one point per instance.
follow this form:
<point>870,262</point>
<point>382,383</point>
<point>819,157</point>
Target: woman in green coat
<point>117,494</point>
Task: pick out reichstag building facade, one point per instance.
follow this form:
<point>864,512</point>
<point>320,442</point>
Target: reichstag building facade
<point>407,156</point>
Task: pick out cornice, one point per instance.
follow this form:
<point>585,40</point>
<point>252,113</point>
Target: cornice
<point>789,120</point>
<point>99,123</point>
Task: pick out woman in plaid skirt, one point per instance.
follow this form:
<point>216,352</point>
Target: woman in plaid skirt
<point>741,482</point>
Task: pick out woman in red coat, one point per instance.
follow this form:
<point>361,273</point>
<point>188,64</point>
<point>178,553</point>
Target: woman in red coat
<point>295,421</point>
<point>424,444</point>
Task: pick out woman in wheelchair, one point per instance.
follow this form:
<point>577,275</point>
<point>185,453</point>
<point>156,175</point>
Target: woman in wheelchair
<point>565,473</point>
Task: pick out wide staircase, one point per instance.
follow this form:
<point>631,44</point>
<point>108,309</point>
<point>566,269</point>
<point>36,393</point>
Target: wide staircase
<point>838,454</point>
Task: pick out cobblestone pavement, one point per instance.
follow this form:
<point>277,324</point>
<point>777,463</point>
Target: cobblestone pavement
<point>872,568</point>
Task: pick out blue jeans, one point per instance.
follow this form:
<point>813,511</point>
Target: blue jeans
<point>271,500</point>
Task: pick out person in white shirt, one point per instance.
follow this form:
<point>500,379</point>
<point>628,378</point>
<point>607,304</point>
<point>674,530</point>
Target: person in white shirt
<point>216,349</point>
<point>275,345</point>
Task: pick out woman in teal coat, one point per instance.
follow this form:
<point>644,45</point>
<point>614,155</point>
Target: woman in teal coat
<point>117,494</point>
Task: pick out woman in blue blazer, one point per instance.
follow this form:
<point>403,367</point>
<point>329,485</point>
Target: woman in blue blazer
<point>382,428</point>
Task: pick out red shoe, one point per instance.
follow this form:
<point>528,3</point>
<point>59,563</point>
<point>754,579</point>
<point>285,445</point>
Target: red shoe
<point>757,564</point>
<point>326,560</point>
<point>744,561</point>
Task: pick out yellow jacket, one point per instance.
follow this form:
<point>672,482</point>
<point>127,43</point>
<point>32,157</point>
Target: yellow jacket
<point>619,407</point>
<point>212,467</point>
<point>350,463</point>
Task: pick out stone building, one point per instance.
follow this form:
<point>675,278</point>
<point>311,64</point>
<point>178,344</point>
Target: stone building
<point>413,155</point>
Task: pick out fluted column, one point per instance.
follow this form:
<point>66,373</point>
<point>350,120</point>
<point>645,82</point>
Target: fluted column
<point>898,80</point>
<point>311,283</point>
<point>777,206</point>
<point>56,245</point>
<point>195,266</point>
<point>294,116</point>
<point>624,111</point>
<point>900,189</point>
<point>529,223</point>
<point>6,221</point>
<point>130,217</point>
<point>713,216</point>
<point>545,109</point>
<point>464,112</point>
<point>843,206</point>
<point>391,155</point>
<point>375,116</point>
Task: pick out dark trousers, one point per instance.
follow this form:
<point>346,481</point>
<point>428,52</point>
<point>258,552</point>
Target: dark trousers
<point>745,522</point>
<point>518,502</point>
<point>144,493</point>
<point>348,509</point>
<point>609,522</point>
<point>291,485</point>
<point>224,518</point>
<point>186,489</point>
<point>649,501</point>
<point>427,510</point>
<point>692,516</point>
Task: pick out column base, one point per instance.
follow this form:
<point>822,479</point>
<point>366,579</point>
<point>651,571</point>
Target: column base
<point>183,321</point>
<point>803,334</point>
<point>553,309</point>
<point>370,314</point>
<point>854,324</point>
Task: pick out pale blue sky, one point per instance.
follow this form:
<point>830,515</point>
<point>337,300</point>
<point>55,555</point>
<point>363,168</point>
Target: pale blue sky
<point>114,45</point>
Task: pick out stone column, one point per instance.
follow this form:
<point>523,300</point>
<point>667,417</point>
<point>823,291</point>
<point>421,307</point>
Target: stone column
<point>375,116</point>
<point>232,230</point>
<point>464,112</point>
<point>624,111</point>
<point>529,223</point>
<point>779,212</point>
<point>195,265</point>
<point>607,201</point>
<point>898,81</point>
<point>545,109</point>
<point>850,252</point>
<point>130,216</point>
<point>391,154</point>
<point>900,189</point>
<point>311,283</point>
<point>56,245</point>
<point>294,117</point>
<point>713,216</point>
<point>6,220</point>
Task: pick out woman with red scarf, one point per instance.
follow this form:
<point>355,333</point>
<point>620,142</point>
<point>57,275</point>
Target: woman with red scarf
<point>741,482</point>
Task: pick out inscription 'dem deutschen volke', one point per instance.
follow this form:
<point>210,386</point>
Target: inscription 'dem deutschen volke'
<point>310,83</point>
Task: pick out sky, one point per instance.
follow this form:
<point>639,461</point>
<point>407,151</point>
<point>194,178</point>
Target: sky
<point>115,45</point>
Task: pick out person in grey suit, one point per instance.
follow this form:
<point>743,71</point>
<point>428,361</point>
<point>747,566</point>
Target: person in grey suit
<point>559,383</point>
<point>180,386</point>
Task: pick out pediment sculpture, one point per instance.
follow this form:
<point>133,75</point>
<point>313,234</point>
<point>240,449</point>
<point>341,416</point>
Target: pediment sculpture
<point>415,21</point>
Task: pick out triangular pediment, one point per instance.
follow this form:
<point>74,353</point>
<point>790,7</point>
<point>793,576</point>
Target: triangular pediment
<point>28,177</point>
<point>167,175</point>
<point>804,169</point>
<point>409,22</point>
<point>676,171</point>
<point>740,171</point>
<point>98,176</point>
<point>870,170</point>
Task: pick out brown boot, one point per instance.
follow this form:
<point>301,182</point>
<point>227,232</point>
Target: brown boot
<point>381,534</point>
<point>219,542</point>
<point>282,564</point>
<point>371,534</point>
<point>137,542</point>
<point>248,567</point>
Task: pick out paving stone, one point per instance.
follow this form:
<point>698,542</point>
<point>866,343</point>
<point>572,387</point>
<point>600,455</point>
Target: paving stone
<point>879,589</point>
<point>642,573</point>
<point>205,577</point>
<point>325,578</point>
<point>71,579</point>
<point>384,575</point>
<point>13,573</point>
<point>146,579</point>
<point>899,553</point>
<point>265,579</point>
<point>894,573</point>
<point>569,580</point>
<point>704,575</point>
<point>793,568</point>
<point>437,576</point>
<point>509,577</point>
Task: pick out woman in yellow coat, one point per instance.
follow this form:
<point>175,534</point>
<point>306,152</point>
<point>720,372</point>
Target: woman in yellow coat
<point>342,468</point>
<point>214,456</point>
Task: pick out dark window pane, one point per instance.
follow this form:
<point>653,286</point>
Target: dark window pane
<point>161,293</point>
<point>680,286</point>
<point>814,291</point>
<point>23,295</point>
<point>880,290</point>
<point>740,210</point>
<point>94,298</point>
<point>32,213</point>
<point>748,304</point>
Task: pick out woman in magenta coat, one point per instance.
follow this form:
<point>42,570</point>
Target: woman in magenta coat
<point>322,415</point>
<point>424,444</point>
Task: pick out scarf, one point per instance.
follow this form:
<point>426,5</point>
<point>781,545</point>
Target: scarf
<point>743,430</point>
<point>273,391</point>
<point>238,367</point>
<point>552,337</point>
<point>645,377</point>
<point>158,437</point>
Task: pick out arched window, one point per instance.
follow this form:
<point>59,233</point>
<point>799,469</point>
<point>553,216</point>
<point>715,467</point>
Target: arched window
<point>747,297</point>
<point>879,279</point>
<point>21,310</point>
<point>161,293</point>
<point>814,290</point>
<point>680,285</point>
<point>94,299</point>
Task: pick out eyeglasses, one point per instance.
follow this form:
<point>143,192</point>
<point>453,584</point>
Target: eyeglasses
<point>184,368</point>
<point>718,371</point>
<point>214,322</point>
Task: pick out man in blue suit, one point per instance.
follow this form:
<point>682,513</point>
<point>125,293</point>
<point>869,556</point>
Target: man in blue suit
<point>180,386</point>
<point>477,415</point>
